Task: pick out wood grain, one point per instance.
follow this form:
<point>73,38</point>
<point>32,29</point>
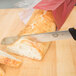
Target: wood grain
<point>60,59</point>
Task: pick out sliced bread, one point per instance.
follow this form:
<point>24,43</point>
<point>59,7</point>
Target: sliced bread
<point>9,59</point>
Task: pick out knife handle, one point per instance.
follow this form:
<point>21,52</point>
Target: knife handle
<point>73,32</point>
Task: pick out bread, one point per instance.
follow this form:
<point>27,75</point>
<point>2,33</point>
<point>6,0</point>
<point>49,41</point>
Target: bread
<point>9,59</point>
<point>40,22</point>
<point>1,72</point>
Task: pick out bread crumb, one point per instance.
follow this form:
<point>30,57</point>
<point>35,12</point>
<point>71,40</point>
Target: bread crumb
<point>44,12</point>
<point>42,18</point>
<point>32,26</point>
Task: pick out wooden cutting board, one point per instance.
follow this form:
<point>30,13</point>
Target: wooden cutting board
<point>60,59</point>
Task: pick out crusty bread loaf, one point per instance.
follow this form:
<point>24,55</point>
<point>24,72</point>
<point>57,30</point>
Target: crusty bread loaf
<point>2,72</point>
<point>40,22</point>
<point>9,59</point>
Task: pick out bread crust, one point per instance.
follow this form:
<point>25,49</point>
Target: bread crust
<point>9,62</point>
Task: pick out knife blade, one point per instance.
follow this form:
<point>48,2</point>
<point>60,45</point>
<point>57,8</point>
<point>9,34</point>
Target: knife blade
<point>6,4</point>
<point>43,37</point>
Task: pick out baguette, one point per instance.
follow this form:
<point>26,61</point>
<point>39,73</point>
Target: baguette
<point>40,22</point>
<point>2,72</point>
<point>9,59</point>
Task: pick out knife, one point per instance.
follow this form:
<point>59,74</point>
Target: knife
<point>43,37</point>
<point>6,4</point>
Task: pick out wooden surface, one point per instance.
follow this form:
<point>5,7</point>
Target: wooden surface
<point>60,59</point>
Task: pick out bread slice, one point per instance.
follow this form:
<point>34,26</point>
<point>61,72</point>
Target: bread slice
<point>9,59</point>
<point>40,22</point>
<point>1,72</point>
